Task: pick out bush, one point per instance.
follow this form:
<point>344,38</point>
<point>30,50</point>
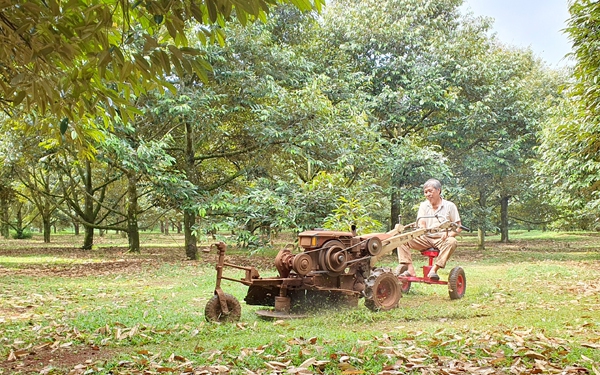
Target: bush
<point>22,235</point>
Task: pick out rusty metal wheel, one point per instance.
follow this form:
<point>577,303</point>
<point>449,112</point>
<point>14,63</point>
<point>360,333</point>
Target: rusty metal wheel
<point>303,264</point>
<point>383,290</point>
<point>214,313</point>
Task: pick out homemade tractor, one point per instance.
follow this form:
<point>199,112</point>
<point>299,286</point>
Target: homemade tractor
<point>333,268</point>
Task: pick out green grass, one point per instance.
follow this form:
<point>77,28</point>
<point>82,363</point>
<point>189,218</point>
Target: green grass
<point>531,304</point>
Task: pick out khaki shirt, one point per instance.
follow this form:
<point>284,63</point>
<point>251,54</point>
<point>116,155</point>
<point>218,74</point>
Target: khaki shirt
<point>446,212</point>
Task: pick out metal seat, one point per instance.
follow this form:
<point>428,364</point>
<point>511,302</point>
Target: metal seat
<point>431,253</point>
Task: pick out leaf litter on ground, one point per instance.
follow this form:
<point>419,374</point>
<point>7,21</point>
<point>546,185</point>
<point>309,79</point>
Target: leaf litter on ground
<point>52,346</point>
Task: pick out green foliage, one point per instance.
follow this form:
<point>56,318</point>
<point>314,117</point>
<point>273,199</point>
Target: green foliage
<point>157,177</point>
<point>582,31</point>
<point>352,212</point>
<point>449,100</point>
<point>73,61</point>
<point>409,166</point>
<point>566,171</point>
<point>22,235</point>
<point>491,141</point>
<point>570,140</point>
<point>300,121</point>
<point>247,240</point>
<point>271,207</point>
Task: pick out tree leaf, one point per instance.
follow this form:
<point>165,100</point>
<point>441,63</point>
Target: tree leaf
<point>64,123</point>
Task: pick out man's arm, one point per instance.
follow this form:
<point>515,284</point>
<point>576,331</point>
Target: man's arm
<point>455,216</point>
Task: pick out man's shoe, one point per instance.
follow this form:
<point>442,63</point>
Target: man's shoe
<point>398,270</point>
<point>433,276</point>
<point>401,270</point>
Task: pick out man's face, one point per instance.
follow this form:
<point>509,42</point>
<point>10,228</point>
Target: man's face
<point>432,194</point>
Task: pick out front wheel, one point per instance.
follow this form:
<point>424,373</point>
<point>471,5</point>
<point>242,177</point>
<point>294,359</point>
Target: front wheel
<point>382,291</point>
<point>457,283</point>
<point>214,313</point>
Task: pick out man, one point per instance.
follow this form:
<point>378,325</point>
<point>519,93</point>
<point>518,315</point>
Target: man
<point>443,240</point>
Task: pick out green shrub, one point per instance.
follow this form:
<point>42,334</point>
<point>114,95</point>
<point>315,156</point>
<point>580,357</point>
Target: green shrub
<point>22,235</point>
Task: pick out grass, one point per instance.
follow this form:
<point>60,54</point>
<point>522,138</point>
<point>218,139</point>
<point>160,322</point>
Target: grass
<point>532,306</point>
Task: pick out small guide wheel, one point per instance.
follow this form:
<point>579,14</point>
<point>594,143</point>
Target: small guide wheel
<point>457,283</point>
<point>214,313</point>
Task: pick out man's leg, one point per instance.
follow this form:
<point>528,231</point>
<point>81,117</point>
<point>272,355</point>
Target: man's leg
<point>405,256</point>
<point>446,248</point>
<point>404,259</point>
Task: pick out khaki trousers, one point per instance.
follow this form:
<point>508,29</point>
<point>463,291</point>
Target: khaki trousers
<point>446,248</point>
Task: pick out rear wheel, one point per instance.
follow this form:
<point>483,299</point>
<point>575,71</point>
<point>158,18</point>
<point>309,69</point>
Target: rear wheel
<point>383,290</point>
<point>214,313</point>
<point>457,283</point>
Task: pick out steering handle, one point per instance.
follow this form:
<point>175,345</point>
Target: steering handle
<point>442,222</point>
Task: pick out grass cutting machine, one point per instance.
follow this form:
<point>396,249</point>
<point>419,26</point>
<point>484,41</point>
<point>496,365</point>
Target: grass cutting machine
<point>332,268</point>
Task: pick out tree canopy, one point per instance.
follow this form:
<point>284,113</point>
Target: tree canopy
<point>200,118</point>
<point>69,62</point>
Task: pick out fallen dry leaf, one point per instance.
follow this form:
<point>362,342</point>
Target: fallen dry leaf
<point>590,345</point>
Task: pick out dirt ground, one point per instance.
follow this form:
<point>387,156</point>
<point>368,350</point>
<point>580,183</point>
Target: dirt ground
<point>46,359</point>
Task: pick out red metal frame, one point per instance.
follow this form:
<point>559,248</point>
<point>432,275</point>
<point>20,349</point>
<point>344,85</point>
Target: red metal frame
<point>431,253</point>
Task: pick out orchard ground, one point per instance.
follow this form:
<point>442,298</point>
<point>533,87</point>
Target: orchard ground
<point>531,306</point>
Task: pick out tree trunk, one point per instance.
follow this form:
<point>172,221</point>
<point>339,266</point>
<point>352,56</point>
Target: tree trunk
<point>47,228</point>
<point>191,246</point>
<point>19,226</point>
<point>88,237</point>
<point>395,210</point>
<point>133,231</point>
<point>5,228</point>
<point>189,217</point>
<point>480,239</point>
<point>88,209</point>
<point>481,220</point>
<point>504,219</point>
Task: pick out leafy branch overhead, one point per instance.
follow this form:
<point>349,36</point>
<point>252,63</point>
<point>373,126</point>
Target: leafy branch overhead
<point>79,59</point>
